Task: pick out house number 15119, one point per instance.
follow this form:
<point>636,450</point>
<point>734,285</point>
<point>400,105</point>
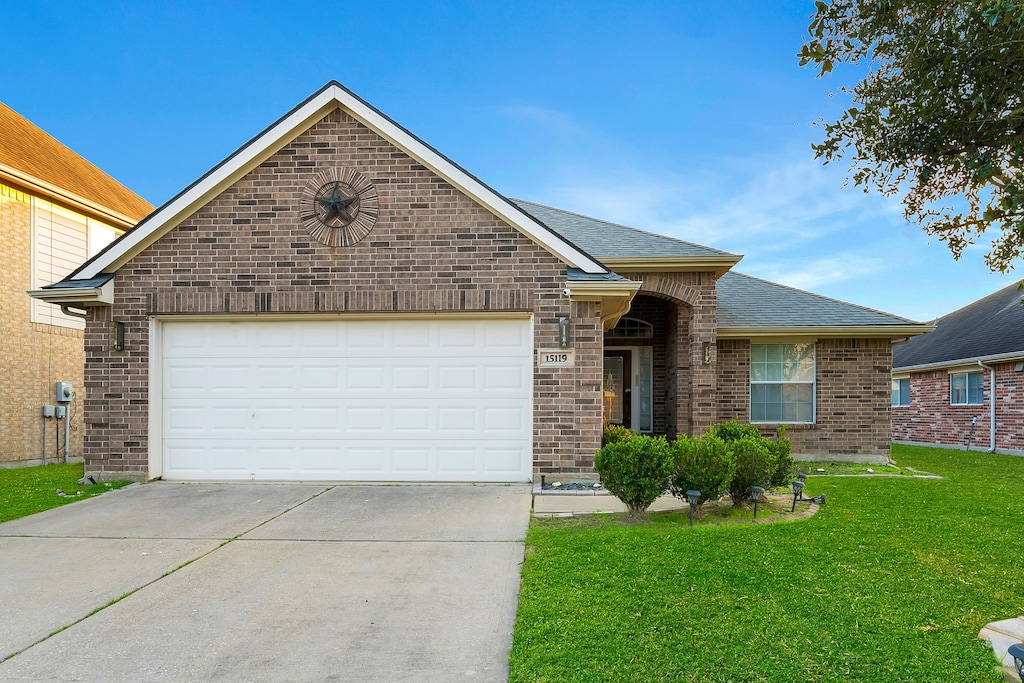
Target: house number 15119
<point>556,358</point>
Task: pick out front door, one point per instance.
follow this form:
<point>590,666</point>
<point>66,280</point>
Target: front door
<point>617,388</point>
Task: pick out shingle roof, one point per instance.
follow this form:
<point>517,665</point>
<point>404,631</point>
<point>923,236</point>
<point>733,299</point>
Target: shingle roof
<point>27,148</point>
<point>577,275</point>
<point>745,301</point>
<point>602,238</point>
<point>990,326</point>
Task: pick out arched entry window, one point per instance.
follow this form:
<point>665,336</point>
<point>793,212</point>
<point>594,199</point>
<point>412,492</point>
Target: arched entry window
<point>630,328</point>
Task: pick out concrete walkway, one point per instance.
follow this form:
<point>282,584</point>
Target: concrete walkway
<point>265,582</point>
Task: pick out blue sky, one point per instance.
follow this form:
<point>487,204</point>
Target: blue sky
<point>690,119</point>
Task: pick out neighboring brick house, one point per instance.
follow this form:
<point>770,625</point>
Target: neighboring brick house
<point>339,301</point>
<point>56,210</point>
<point>942,383</point>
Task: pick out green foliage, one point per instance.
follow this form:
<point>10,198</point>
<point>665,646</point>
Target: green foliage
<point>733,431</point>
<point>27,490</point>
<point>938,118</point>
<point>703,464</point>
<point>782,449</point>
<point>755,465</point>
<point>889,582</point>
<point>636,470</point>
<point>615,434</point>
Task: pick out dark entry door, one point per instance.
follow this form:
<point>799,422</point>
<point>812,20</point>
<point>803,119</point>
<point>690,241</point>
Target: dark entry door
<point>618,387</point>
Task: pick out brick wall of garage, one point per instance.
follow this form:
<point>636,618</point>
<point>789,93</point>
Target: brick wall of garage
<point>852,394</point>
<point>432,250</point>
<point>931,419</point>
<point>33,356</point>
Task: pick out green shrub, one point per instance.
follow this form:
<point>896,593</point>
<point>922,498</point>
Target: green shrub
<point>734,431</point>
<point>755,466</point>
<point>703,465</point>
<point>782,447</point>
<point>635,470</point>
<point>615,434</point>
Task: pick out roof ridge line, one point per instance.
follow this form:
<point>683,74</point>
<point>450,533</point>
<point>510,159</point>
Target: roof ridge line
<point>827,298</point>
<point>622,225</point>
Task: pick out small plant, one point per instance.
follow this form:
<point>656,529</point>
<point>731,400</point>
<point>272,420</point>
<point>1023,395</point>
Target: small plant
<point>755,465</point>
<point>734,431</point>
<point>782,447</point>
<point>635,470</point>
<point>703,465</point>
<point>615,434</point>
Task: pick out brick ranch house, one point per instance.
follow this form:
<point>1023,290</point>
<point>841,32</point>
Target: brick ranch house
<point>56,210</point>
<point>942,383</point>
<point>337,300</point>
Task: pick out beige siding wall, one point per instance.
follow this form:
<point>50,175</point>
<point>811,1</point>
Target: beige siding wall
<point>33,356</point>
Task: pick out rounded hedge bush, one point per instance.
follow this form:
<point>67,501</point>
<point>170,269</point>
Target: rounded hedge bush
<point>635,470</point>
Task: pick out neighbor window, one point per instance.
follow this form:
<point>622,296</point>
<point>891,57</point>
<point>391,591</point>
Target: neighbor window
<point>782,383</point>
<point>966,388</point>
<point>901,392</point>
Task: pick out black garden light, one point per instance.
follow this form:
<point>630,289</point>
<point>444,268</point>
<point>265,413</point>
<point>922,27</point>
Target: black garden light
<point>692,497</point>
<point>1017,652</point>
<point>798,493</point>
<point>756,494</point>
<point>802,477</point>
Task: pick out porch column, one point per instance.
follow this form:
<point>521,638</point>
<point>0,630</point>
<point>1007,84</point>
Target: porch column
<point>703,376</point>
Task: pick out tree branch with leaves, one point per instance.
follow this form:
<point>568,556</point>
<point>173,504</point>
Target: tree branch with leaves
<point>939,115</point>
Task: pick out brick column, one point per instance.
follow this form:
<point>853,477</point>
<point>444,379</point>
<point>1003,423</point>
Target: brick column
<point>703,381</point>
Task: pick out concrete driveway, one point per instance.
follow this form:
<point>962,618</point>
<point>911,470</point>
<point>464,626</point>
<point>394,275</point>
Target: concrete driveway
<point>268,582</point>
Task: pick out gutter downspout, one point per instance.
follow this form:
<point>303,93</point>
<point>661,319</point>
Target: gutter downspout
<point>992,407</point>
<point>79,313</point>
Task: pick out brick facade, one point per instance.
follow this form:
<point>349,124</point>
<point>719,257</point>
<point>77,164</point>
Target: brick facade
<point>931,419</point>
<point>433,249</point>
<point>33,356</point>
<point>852,398</point>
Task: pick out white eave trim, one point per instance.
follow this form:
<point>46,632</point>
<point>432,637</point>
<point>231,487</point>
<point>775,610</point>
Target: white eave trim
<point>593,291</point>
<point>824,331</point>
<point>115,218</point>
<point>720,263</point>
<point>256,151</point>
<point>78,296</point>
<point>962,362</point>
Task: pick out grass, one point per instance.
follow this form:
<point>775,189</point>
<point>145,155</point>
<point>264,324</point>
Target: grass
<point>842,468</point>
<point>890,581</point>
<point>27,490</point>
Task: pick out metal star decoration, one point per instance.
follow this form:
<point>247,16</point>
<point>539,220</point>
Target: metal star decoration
<point>336,205</point>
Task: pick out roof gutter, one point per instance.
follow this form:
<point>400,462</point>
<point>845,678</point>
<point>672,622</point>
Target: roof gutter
<point>992,407</point>
<point>78,297</point>
<point>954,362</point>
<point>822,331</point>
<point>116,218</point>
<point>720,263</point>
<point>616,297</point>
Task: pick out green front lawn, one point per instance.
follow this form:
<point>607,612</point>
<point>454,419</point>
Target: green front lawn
<point>27,490</point>
<point>890,581</point>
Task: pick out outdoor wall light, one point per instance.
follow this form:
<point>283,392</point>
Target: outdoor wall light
<point>692,497</point>
<point>756,494</point>
<point>563,333</point>
<point>117,336</point>
<point>707,353</point>
<point>798,492</point>
<point>1017,652</point>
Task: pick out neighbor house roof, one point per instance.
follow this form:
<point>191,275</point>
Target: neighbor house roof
<point>988,329</point>
<point>751,306</point>
<point>31,158</point>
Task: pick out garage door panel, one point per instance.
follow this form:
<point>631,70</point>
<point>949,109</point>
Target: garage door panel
<point>409,400</point>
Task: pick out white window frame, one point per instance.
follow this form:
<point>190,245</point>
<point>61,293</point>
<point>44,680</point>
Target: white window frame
<point>967,389</point>
<point>813,383</point>
<point>897,392</point>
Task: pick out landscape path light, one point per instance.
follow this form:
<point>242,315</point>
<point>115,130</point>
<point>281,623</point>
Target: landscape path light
<point>756,494</point>
<point>692,497</point>
<point>798,492</point>
<point>1017,652</point>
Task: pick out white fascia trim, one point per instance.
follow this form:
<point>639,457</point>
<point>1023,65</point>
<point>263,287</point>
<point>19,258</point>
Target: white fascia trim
<point>82,296</point>
<point>287,130</point>
<point>963,362</point>
<point>118,220</point>
<point>595,291</point>
<point>824,331</point>
<point>721,264</point>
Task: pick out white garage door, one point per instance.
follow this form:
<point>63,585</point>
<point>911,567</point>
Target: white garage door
<point>369,400</point>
